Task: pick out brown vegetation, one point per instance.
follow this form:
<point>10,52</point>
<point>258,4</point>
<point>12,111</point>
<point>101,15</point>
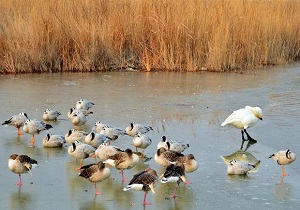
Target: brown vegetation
<point>185,35</point>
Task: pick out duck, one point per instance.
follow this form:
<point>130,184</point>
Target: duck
<point>95,139</point>
<point>74,134</point>
<point>49,115</point>
<point>73,109</point>
<point>283,157</point>
<point>112,132</point>
<point>165,157</point>
<point>174,173</point>
<point>134,128</point>
<point>81,151</point>
<point>141,141</point>
<point>96,172</point>
<point>78,118</point>
<point>33,127</point>
<point>123,160</point>
<point>236,167</point>
<point>53,141</point>
<point>16,121</point>
<point>189,162</point>
<point>143,181</point>
<point>84,104</point>
<point>104,151</point>
<point>174,145</point>
<point>20,164</point>
<point>243,119</point>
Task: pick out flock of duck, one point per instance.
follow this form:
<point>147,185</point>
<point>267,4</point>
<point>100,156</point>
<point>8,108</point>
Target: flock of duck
<point>97,144</point>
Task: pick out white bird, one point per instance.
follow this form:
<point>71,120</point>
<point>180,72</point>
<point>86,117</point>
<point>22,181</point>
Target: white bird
<point>74,135</point>
<point>95,173</point>
<point>143,181</point>
<point>81,151</point>
<point>174,145</point>
<point>112,132</point>
<point>20,164</point>
<point>141,141</point>
<point>174,173</point>
<point>84,104</point>
<point>236,167</point>
<point>243,119</point>
<point>16,121</point>
<point>123,160</point>
<point>104,151</point>
<point>33,127</point>
<point>95,139</point>
<point>78,118</point>
<point>134,129</point>
<point>53,141</point>
<point>73,109</point>
<point>98,127</point>
<point>283,157</point>
<point>50,114</point>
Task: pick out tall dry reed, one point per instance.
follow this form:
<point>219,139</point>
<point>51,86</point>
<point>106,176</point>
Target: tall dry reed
<point>185,35</point>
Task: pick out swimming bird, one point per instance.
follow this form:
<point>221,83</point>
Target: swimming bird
<point>284,157</point>
<point>78,118</point>
<point>95,173</point>
<point>134,129</point>
<point>95,139</point>
<point>33,127</point>
<point>20,164</point>
<point>50,114</point>
<point>143,181</point>
<point>104,151</point>
<point>16,121</point>
<point>174,145</point>
<point>74,135</point>
<point>84,104</point>
<point>53,141</point>
<point>141,141</point>
<point>81,151</point>
<point>236,167</point>
<point>174,173</point>
<point>165,157</point>
<point>123,160</point>
<point>243,119</point>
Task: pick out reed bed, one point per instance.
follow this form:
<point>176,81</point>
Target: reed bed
<point>181,35</point>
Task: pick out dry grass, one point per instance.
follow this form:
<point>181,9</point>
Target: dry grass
<point>185,35</point>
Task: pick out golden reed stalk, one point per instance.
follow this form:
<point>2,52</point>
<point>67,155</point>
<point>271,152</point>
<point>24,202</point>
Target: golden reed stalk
<point>177,35</point>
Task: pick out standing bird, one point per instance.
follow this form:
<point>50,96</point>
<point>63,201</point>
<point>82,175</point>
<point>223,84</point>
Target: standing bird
<point>20,164</point>
<point>104,151</point>
<point>95,173</point>
<point>81,151</point>
<point>284,157</point>
<point>17,121</point>
<point>134,129</point>
<point>189,162</point>
<point>33,127</point>
<point>53,141</point>
<point>73,109</point>
<point>165,157</point>
<point>174,174</point>
<point>174,145</point>
<point>244,118</point>
<point>112,132</point>
<point>236,167</point>
<point>50,114</point>
<point>141,141</point>
<point>84,104</point>
<point>123,160</point>
<point>74,135</point>
<point>143,181</point>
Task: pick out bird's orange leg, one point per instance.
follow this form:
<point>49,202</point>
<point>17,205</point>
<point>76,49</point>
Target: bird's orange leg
<point>19,132</point>
<point>282,170</point>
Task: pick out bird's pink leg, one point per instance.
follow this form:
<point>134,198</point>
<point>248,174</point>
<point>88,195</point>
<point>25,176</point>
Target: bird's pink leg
<point>145,202</point>
<point>282,170</point>
<point>174,194</point>
<point>96,191</point>
<point>20,181</point>
<point>81,163</point>
<point>123,178</point>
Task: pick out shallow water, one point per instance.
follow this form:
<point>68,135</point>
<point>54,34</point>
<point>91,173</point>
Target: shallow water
<point>181,106</point>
